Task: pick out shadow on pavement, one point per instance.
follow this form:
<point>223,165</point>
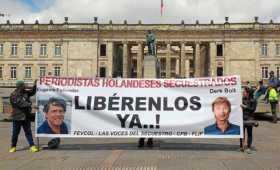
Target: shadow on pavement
<point>157,146</point>
<point>264,116</point>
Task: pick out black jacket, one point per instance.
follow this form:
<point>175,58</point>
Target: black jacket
<point>248,107</point>
<point>21,104</point>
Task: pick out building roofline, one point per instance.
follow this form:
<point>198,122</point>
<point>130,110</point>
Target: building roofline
<point>66,26</point>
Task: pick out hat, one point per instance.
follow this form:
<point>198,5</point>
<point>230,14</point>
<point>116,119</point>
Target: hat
<point>19,83</point>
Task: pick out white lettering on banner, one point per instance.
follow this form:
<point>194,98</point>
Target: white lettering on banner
<point>95,107</point>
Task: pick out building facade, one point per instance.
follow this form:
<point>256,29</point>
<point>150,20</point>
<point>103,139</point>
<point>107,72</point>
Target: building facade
<point>28,51</point>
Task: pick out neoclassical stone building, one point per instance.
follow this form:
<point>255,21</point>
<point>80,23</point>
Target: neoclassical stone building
<point>28,51</point>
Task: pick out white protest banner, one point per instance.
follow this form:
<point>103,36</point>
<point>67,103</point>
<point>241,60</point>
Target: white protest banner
<point>94,107</point>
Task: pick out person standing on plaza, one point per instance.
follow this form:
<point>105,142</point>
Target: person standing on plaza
<point>273,100</point>
<point>248,107</point>
<point>261,89</point>
<point>21,114</point>
<point>273,81</point>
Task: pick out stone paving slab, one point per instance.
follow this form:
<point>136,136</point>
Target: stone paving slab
<point>123,154</point>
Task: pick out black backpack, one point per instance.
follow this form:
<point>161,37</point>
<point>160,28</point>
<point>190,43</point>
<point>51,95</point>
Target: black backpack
<point>54,143</point>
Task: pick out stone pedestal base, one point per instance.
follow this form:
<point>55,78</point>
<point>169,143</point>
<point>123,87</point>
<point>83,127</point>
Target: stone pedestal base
<point>150,66</point>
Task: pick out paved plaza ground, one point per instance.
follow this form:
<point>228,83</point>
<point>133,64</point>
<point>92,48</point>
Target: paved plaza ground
<point>123,154</point>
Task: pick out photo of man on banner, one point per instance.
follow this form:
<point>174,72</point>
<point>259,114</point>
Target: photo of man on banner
<point>221,108</point>
<point>54,112</point>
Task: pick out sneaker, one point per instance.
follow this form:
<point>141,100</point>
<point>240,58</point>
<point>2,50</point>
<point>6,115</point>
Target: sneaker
<point>241,149</point>
<point>141,143</point>
<point>150,143</point>
<point>34,149</point>
<point>12,149</point>
<point>248,151</point>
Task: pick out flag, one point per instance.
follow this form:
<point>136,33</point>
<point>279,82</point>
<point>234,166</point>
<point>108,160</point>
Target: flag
<point>161,7</point>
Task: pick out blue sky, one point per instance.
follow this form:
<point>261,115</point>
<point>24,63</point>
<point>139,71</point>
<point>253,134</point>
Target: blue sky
<point>30,3</point>
<point>146,10</point>
<point>38,5</point>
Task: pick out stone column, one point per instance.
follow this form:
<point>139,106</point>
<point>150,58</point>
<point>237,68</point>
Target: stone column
<point>187,68</point>
<point>226,58</point>
<point>65,53</point>
<point>125,60</point>
<point>197,60</point>
<point>110,46</point>
<point>212,53</point>
<point>34,71</point>
<point>50,71</point>
<point>140,60</point>
<point>168,61</point>
<point>20,71</point>
<point>177,67</point>
<point>257,59</point>
<point>183,61</point>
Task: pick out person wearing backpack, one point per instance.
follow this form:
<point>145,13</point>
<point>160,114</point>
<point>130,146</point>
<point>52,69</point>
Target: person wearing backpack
<point>21,114</point>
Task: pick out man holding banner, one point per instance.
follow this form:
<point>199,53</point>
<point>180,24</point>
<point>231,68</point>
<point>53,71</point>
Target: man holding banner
<point>21,114</point>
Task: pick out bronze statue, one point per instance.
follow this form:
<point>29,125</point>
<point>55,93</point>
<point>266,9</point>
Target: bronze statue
<point>151,39</point>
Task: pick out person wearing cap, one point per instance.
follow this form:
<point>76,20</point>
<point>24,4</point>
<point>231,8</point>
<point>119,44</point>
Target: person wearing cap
<point>54,114</point>
<point>273,81</point>
<point>21,114</point>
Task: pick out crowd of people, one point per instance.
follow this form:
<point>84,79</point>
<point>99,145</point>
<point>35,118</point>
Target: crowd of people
<point>270,92</point>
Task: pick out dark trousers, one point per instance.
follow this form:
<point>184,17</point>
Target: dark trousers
<point>26,125</point>
<point>273,110</point>
<point>249,136</point>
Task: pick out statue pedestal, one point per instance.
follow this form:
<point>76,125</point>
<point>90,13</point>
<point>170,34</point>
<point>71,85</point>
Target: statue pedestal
<point>150,67</point>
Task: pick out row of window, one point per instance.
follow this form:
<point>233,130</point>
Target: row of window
<point>264,49</point>
<point>57,72</point>
<point>29,49</point>
<point>57,49</point>
<point>265,72</point>
<point>28,71</point>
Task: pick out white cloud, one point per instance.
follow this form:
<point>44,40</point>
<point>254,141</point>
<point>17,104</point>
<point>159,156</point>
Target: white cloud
<point>146,10</point>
